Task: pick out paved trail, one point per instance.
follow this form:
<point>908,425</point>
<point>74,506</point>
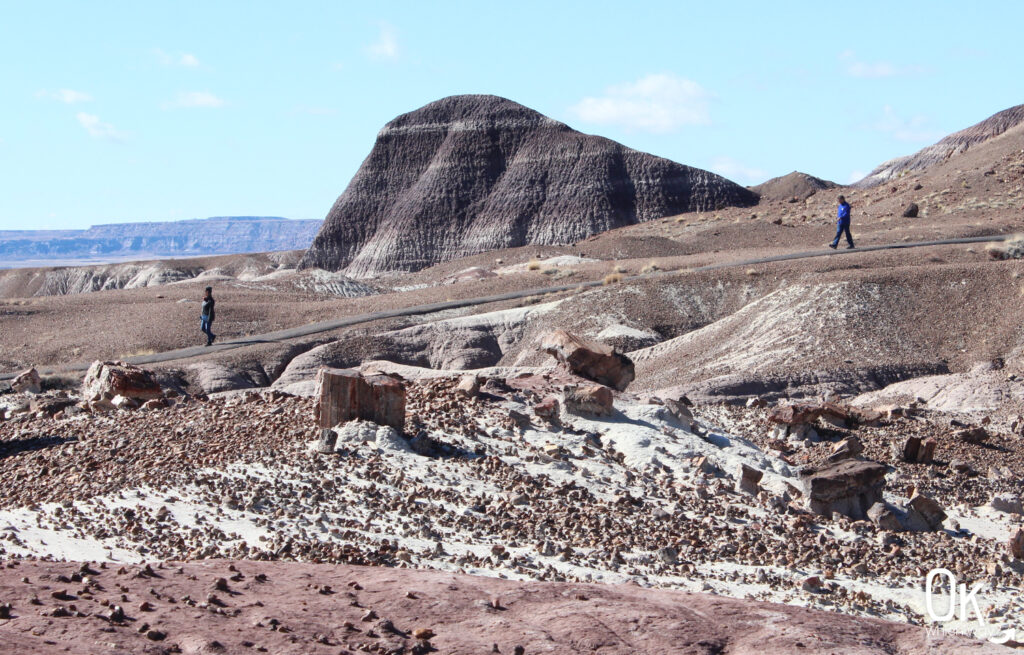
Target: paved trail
<point>416,310</point>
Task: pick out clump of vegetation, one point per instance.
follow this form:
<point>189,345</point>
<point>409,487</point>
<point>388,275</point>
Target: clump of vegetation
<point>753,272</point>
<point>651,267</point>
<point>612,278</point>
<point>1012,248</point>
<point>533,265</point>
<point>61,381</point>
<point>618,269</point>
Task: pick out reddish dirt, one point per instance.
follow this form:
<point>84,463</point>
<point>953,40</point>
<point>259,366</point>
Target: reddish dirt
<point>310,609</point>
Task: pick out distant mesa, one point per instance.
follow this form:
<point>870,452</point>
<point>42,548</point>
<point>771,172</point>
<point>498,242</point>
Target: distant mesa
<point>954,144</point>
<point>795,185</point>
<point>468,174</point>
<point>220,235</point>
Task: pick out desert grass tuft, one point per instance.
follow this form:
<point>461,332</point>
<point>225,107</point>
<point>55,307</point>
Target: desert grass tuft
<point>612,278</point>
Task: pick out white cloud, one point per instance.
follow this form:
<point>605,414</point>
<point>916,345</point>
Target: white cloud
<point>97,129</point>
<point>659,102</point>
<point>67,96</point>
<point>856,176</point>
<point>910,130</point>
<point>183,59</point>
<point>386,45</point>
<point>738,171</point>
<point>195,100</point>
<point>875,69</point>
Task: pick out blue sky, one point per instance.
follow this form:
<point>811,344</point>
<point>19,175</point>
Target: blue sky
<point>130,111</point>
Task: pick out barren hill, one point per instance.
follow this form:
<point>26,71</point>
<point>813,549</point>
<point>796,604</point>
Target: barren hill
<point>954,144</point>
<point>468,174</point>
<point>795,185</point>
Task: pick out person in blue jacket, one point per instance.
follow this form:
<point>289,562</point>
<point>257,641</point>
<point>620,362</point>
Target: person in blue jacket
<point>842,224</point>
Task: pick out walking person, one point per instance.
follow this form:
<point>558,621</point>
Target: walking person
<point>207,315</point>
<point>843,217</point>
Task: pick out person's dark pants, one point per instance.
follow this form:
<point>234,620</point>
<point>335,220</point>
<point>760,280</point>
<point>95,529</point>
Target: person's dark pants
<point>843,228</point>
<point>204,324</point>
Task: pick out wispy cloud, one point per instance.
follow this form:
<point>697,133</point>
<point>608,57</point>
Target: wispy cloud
<point>195,100</point>
<point>915,129</point>
<point>738,171</point>
<point>386,45</point>
<point>97,129</point>
<point>67,96</point>
<point>660,102</point>
<point>875,69</point>
<point>855,176</point>
<point>183,59</point>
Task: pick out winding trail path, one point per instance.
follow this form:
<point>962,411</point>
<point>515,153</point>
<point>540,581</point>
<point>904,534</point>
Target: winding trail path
<point>416,310</point>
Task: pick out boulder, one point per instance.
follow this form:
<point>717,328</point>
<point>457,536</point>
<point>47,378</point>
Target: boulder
<point>882,516</point>
<point>468,386</point>
<point>49,406</point>
<point>973,435</point>
<point>124,402</point>
<point>589,359</point>
<point>911,210</point>
<point>927,509</point>
<point>916,450</point>
<point>345,394</point>
<point>27,382</point>
<point>1016,544</point>
<point>547,409</point>
<point>590,399</point>
<point>110,379</point>
<point>748,479</point>
<point>849,487</point>
<point>846,449</point>
<point>794,413</point>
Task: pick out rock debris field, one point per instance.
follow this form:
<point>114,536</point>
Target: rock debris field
<point>524,477</point>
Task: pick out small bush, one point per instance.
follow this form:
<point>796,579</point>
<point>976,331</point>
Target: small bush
<point>65,381</point>
<point>1012,248</point>
<point>650,268</point>
<point>533,265</point>
<point>612,278</point>
<point>618,269</point>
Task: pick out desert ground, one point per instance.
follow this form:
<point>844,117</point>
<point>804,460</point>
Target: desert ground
<point>505,514</point>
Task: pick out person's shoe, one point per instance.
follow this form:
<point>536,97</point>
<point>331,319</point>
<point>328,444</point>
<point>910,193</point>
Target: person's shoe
<point>207,344</point>
<point>849,247</point>
<point>832,246</point>
<point>214,337</point>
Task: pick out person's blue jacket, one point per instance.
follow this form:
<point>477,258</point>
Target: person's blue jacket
<point>843,213</point>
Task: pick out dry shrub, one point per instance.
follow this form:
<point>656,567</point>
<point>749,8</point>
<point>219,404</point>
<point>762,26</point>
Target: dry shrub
<point>753,271</point>
<point>533,265</point>
<point>618,269</point>
<point>612,278</point>
<point>649,268</point>
<point>1012,248</point>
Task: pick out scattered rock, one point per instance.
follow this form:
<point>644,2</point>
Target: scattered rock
<point>345,394</point>
<point>591,399</point>
<point>27,382</point>
<point>112,379</point>
<point>911,210</point>
<point>589,359</point>
<point>849,487</point>
<point>748,479</point>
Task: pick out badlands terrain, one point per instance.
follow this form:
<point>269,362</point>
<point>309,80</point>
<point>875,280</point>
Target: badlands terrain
<point>716,502</point>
